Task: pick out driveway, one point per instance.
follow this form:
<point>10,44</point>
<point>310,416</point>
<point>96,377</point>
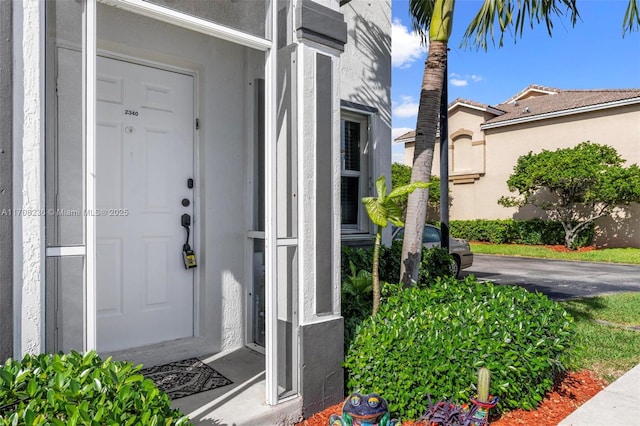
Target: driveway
<point>557,279</point>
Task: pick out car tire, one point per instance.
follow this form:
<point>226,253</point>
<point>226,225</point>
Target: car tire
<point>455,266</point>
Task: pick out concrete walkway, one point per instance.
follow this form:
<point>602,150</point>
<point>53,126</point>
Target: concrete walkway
<point>616,405</point>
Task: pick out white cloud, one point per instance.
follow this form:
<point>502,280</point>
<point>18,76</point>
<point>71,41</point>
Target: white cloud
<point>458,82</point>
<point>406,46</point>
<point>406,108</point>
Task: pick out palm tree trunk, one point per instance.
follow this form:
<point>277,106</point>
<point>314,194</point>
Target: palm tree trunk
<point>426,128</point>
<point>375,275</point>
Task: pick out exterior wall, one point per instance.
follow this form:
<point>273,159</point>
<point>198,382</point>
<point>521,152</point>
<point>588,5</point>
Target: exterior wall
<point>617,127</point>
<point>28,126</point>
<point>365,73</point>
<point>6,179</point>
<point>409,149</point>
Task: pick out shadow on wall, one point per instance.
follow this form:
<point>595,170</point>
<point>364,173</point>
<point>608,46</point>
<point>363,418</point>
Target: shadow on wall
<point>375,44</point>
<point>621,230</point>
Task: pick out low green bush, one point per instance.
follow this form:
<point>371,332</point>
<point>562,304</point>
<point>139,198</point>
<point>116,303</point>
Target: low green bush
<point>74,389</point>
<point>535,231</point>
<point>433,340</point>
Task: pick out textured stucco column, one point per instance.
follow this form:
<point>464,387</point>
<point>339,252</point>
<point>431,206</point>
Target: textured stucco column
<point>6,190</point>
<point>321,34</point>
<point>28,182</point>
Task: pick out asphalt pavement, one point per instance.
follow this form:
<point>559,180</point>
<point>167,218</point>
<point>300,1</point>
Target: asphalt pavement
<point>558,279</point>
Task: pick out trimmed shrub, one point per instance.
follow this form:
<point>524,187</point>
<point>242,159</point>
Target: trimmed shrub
<point>535,231</point>
<point>80,389</point>
<point>433,340</point>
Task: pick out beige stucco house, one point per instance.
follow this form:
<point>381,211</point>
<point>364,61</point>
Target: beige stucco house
<point>485,142</point>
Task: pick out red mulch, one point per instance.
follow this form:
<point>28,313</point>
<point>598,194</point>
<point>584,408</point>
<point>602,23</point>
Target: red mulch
<point>562,248</point>
<point>569,392</point>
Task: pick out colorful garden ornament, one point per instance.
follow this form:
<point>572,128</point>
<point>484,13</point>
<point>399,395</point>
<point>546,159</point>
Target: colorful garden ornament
<point>484,401</point>
<point>364,410</point>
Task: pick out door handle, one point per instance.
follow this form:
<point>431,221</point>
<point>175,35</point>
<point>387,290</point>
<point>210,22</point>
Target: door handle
<point>188,255</point>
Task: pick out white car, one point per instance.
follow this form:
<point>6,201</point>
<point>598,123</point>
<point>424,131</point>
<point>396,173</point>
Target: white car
<point>459,249</point>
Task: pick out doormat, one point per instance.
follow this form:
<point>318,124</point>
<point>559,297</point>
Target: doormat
<point>183,378</point>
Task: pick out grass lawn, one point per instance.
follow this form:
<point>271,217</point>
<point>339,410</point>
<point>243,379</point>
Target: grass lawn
<point>609,255</point>
<point>607,349</point>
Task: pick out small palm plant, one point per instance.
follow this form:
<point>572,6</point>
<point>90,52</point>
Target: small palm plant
<point>381,210</point>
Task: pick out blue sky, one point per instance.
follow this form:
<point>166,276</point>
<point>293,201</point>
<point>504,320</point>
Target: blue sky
<point>591,55</point>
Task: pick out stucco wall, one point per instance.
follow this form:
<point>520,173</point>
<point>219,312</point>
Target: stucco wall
<point>617,127</point>
<point>27,172</point>
<point>365,72</point>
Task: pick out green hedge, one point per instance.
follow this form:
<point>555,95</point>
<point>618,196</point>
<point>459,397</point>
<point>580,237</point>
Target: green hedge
<point>433,340</point>
<point>75,389</point>
<point>533,231</point>
<point>435,262</point>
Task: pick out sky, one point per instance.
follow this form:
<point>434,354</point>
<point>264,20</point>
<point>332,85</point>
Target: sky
<point>591,55</point>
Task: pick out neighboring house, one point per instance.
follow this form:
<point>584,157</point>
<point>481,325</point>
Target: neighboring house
<point>485,142</point>
<point>129,127</point>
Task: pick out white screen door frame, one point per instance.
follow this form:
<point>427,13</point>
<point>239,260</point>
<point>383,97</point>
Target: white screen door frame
<point>89,54</point>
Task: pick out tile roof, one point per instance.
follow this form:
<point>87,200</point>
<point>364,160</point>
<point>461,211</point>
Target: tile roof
<point>409,135</point>
<point>560,100</point>
<point>536,100</point>
<point>531,89</point>
<point>469,102</point>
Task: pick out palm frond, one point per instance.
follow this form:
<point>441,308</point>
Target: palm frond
<point>631,21</point>
<point>516,14</point>
<point>421,12</point>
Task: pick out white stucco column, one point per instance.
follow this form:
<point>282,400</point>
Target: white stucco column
<point>28,214</point>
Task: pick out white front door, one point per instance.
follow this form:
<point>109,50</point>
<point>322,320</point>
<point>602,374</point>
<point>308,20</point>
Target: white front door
<point>144,161</point>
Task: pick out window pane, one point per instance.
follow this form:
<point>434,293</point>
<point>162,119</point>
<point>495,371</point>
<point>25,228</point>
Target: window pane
<point>431,235</point>
<point>349,200</point>
<point>248,16</point>
<point>350,145</point>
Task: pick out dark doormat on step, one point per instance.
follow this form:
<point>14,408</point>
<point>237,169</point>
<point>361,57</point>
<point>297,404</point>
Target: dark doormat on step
<point>183,378</point>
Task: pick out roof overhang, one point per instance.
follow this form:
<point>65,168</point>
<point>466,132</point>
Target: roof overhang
<point>562,113</point>
<point>404,140</point>
<point>476,107</point>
